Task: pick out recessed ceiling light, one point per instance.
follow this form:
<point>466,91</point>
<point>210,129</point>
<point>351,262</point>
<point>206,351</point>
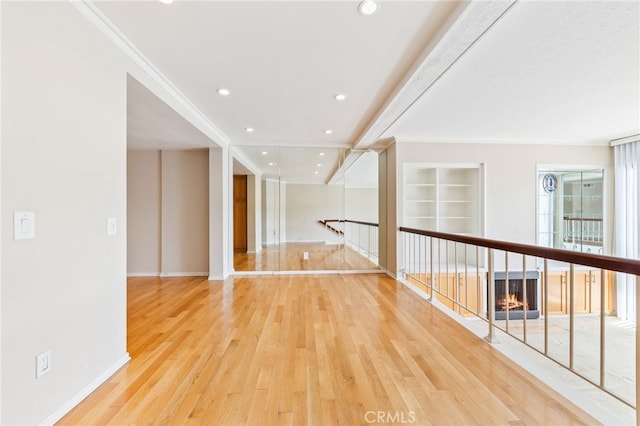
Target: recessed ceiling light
<point>223,92</point>
<point>272,164</point>
<point>316,172</point>
<point>248,129</point>
<point>367,7</point>
<point>319,165</point>
<point>264,152</point>
<point>340,97</point>
<point>166,1</point>
<point>321,154</point>
<point>328,132</point>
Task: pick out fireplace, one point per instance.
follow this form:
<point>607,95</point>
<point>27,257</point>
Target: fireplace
<point>513,297</point>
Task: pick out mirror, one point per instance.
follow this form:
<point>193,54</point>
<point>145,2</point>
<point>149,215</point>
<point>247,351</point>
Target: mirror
<point>293,206</point>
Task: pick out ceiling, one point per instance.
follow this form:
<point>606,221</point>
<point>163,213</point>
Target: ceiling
<point>521,72</point>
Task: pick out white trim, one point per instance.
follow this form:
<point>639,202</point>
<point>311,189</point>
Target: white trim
<point>183,274</point>
<point>113,33</point>
<point>85,392</point>
<point>593,142</point>
<point>143,274</point>
<point>310,272</point>
<point>216,278</point>
<point>626,139</point>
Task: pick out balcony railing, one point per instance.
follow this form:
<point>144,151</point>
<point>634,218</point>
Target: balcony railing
<point>583,231</point>
<point>558,302</point>
<point>358,235</point>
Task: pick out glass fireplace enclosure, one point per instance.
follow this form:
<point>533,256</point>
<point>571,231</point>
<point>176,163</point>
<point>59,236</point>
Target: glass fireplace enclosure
<point>570,209</point>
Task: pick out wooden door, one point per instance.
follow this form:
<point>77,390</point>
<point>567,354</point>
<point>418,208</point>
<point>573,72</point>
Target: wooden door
<point>240,213</point>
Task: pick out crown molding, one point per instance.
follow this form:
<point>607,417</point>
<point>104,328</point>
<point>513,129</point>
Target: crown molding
<point>426,141</point>
<point>99,20</point>
<point>626,139</point>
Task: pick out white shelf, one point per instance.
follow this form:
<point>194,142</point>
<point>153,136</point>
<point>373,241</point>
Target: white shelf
<point>444,198</point>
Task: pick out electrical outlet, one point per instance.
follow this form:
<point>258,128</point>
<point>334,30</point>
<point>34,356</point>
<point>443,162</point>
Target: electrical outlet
<point>305,255</point>
<point>43,364</point>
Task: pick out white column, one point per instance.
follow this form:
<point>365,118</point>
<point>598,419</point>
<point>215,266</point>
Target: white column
<point>220,221</point>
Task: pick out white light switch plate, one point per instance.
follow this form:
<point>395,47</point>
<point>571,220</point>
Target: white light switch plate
<point>24,225</point>
<point>112,226</point>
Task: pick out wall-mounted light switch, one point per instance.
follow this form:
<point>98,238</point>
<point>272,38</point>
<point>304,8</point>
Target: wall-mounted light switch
<point>112,226</point>
<point>43,363</point>
<point>24,225</point>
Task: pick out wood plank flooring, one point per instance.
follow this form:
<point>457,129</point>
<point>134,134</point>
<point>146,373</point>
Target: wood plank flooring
<point>317,350</point>
<point>289,257</point>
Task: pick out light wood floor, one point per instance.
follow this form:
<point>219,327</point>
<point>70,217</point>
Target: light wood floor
<point>330,349</point>
<point>289,257</point>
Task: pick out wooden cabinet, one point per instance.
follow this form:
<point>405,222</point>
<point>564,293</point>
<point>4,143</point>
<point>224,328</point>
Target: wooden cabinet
<point>586,292</point>
<point>460,293</point>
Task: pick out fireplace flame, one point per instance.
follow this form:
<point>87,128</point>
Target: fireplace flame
<point>512,302</point>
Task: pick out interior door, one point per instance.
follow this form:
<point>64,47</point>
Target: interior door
<point>240,213</point>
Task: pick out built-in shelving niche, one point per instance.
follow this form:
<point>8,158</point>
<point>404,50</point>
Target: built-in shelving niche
<point>444,198</point>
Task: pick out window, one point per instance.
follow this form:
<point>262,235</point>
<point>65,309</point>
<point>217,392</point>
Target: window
<point>570,210</point>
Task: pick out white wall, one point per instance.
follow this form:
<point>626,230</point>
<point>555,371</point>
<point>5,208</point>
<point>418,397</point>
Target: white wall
<point>306,205</point>
<point>144,213</point>
<point>64,158</point>
<point>361,204</point>
<point>185,212</point>
<point>510,178</point>
<point>168,212</point>
<point>64,127</point>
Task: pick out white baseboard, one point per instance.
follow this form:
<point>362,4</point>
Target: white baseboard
<point>77,398</point>
<point>143,274</point>
<point>216,278</point>
<point>183,274</point>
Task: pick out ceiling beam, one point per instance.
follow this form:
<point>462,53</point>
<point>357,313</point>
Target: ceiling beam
<point>463,29</point>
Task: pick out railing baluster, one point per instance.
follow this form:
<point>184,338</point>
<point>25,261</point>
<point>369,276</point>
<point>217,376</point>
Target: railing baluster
<point>525,308</point>
<point>545,282</point>
<point>506,290</point>
<point>637,401</point>
<point>479,286</point>
<point>420,258</point>
<point>491,297</point>
<point>456,282</point>
<point>466,278</point>
<point>571,312</point>
<point>431,278</point>
<point>602,325</point>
